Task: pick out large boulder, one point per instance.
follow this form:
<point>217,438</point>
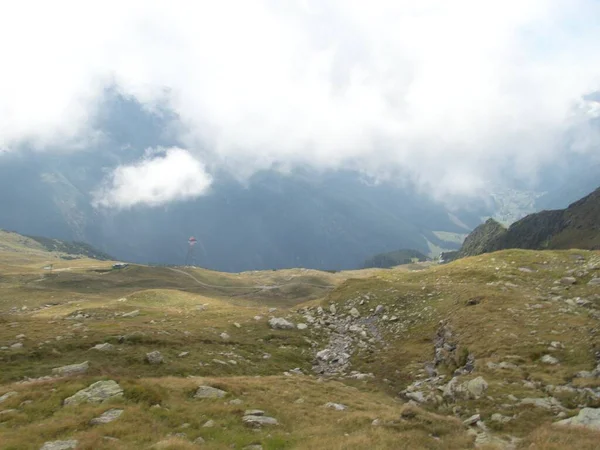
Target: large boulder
<point>73,369</point>
<point>279,323</point>
<point>587,417</point>
<point>209,392</point>
<point>98,392</point>
<point>154,358</point>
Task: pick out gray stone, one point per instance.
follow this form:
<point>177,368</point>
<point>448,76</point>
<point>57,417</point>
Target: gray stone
<point>108,416</point>
<point>545,403</point>
<point>594,282</point>
<point>476,387</point>
<point>548,359</point>
<point>8,395</point>
<point>209,392</point>
<point>236,401</point>
<point>7,411</point>
<point>336,406</point>
<point>225,336</point>
<point>106,347</point>
<point>154,357</point>
<point>209,424</point>
<point>183,354</point>
<point>279,323</point>
<point>472,420</point>
<point>132,313</point>
<point>59,445</point>
<point>354,313</point>
<point>568,280</point>
<point>500,418</point>
<point>258,421</point>
<point>17,346</point>
<point>302,326</point>
<point>199,441</point>
<point>73,369</point>
<point>254,412</point>
<point>587,417</point>
<point>98,392</point>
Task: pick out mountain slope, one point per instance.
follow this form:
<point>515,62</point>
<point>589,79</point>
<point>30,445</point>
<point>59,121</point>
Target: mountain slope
<point>381,359</point>
<point>577,226</point>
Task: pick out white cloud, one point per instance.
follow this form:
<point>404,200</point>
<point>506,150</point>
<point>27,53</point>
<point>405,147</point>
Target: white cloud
<point>163,176</point>
<point>450,93</point>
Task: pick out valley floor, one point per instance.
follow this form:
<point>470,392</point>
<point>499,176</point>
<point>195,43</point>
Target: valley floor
<point>486,352</point>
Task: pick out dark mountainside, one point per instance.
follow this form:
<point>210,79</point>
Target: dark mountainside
<point>482,239</point>
<point>391,259</point>
<point>577,226</point>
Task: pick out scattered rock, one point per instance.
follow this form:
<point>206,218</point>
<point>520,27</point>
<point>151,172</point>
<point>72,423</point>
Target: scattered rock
<point>257,421</point>
<point>199,441</point>
<point>476,387</point>
<point>336,406</point>
<point>594,282</point>
<point>472,420</point>
<point>73,369</point>
<point>209,424</point>
<point>568,280</point>
<point>280,323</point>
<point>354,313</point>
<point>98,392</point>
<point>209,392</point>
<point>225,336</point>
<point>17,346</point>
<point>60,445</point>
<point>545,403</point>
<point>379,309</point>
<point>549,359</point>
<point>254,412</point>
<point>183,354</point>
<point>107,417</point>
<point>500,418</point>
<point>154,357</point>
<point>236,401</point>
<point>132,313</point>
<point>302,326</point>
<point>8,395</point>
<point>106,347</point>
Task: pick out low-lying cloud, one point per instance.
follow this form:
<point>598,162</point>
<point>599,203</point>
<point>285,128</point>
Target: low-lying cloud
<point>450,93</point>
<point>164,175</point>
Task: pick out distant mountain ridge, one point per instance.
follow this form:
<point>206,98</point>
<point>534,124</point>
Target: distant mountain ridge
<point>577,226</point>
<point>391,259</point>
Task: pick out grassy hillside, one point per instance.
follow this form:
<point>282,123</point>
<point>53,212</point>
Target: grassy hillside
<point>397,337</point>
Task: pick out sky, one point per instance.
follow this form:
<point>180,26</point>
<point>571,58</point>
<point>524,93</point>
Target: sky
<point>450,95</point>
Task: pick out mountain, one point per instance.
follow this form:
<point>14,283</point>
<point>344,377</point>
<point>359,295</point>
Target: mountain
<point>303,218</point>
<point>577,226</point>
<point>392,259</point>
<point>482,239</point>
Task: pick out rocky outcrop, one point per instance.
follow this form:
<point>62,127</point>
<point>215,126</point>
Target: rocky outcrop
<point>209,392</point>
<point>98,392</point>
<point>587,417</point>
